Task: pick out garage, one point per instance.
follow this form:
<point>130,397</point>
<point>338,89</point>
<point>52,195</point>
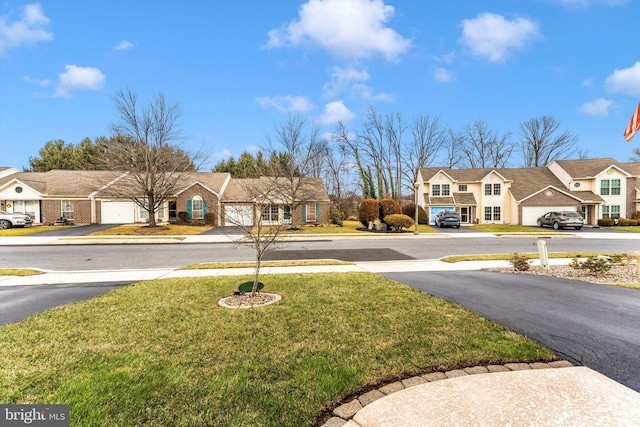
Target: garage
<point>531,214</point>
<point>435,210</point>
<point>238,215</point>
<point>117,212</point>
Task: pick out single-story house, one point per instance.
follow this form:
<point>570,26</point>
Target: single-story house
<point>100,197</point>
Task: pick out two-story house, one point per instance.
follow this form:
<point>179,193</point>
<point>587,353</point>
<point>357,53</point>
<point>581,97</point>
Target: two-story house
<point>597,188</point>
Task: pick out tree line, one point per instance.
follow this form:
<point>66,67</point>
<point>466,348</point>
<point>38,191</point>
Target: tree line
<point>380,159</point>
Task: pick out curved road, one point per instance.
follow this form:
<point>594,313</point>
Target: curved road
<point>588,324</point>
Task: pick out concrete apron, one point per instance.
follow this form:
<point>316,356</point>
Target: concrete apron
<point>547,397</point>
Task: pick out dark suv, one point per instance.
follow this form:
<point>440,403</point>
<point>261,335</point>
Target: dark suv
<point>561,219</point>
<point>448,219</point>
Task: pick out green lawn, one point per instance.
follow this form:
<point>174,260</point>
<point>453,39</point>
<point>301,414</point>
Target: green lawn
<point>508,228</point>
<point>144,230</point>
<point>630,228</point>
<point>163,353</point>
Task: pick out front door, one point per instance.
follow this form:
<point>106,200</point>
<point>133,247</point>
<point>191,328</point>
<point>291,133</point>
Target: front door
<point>464,214</point>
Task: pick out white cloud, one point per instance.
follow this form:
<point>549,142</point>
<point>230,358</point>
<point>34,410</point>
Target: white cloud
<point>39,82</point>
<point>224,154</point>
<point>626,81</point>
<point>599,107</point>
<point>78,78</point>
<point>341,80</point>
<point>252,148</point>
<point>365,93</point>
<point>443,75</point>
<point>29,30</point>
<point>123,45</point>
<point>494,37</point>
<point>446,58</point>
<point>287,104</point>
<point>334,112</point>
<point>347,29</point>
<point>587,83</point>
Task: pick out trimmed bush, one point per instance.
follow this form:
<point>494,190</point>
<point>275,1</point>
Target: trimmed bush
<point>410,211</point>
<point>182,217</point>
<point>635,215</point>
<point>210,218</point>
<point>389,207</point>
<point>606,222</point>
<point>368,211</point>
<point>399,221</point>
<point>337,217</point>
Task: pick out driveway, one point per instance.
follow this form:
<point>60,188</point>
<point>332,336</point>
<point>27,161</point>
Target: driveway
<point>80,230</point>
<point>588,324</point>
<point>18,302</point>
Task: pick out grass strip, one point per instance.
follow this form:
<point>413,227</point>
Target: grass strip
<point>250,264</point>
<point>527,255</point>
<point>19,272</point>
<point>163,353</point>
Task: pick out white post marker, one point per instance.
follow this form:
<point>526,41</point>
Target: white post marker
<point>544,256</point>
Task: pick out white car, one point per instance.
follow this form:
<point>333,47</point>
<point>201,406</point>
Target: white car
<point>8,220</point>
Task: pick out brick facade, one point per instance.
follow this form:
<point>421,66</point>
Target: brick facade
<point>198,190</point>
<point>52,210</point>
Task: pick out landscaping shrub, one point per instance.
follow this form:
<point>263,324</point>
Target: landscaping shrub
<point>635,215</point>
<point>337,217</point>
<point>210,218</point>
<point>182,217</point>
<point>596,265</point>
<point>368,211</point>
<point>519,262</point>
<point>399,221</point>
<point>606,222</point>
<point>389,207</point>
<point>410,211</point>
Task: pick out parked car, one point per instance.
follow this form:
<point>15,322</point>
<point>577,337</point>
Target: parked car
<point>448,219</point>
<point>8,220</point>
<point>562,219</point>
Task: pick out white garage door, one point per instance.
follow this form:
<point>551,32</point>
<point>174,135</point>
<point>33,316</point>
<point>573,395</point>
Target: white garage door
<point>238,215</point>
<point>118,212</point>
<point>530,215</point>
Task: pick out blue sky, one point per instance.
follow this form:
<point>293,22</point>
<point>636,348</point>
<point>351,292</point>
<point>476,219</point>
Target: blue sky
<point>239,68</point>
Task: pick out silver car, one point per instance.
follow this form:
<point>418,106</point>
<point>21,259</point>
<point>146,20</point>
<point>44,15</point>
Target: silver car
<point>8,220</point>
<point>561,219</point>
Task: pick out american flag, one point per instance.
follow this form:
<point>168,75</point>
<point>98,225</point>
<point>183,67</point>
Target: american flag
<point>634,125</point>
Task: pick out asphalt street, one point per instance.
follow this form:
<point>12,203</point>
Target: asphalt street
<point>588,324</point>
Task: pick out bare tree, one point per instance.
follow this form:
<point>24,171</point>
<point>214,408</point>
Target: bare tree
<point>351,146</point>
<point>453,147</point>
<point>300,154</point>
<point>428,139</point>
<point>147,148</point>
<point>542,144</point>
<point>484,148</point>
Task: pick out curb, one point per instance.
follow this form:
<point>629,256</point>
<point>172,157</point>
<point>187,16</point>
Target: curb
<point>345,412</point>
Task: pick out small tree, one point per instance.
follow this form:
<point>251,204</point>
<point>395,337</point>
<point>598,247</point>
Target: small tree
<point>389,207</point>
<point>368,211</point>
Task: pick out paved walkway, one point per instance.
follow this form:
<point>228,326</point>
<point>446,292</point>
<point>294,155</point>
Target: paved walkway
<point>502,395</point>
